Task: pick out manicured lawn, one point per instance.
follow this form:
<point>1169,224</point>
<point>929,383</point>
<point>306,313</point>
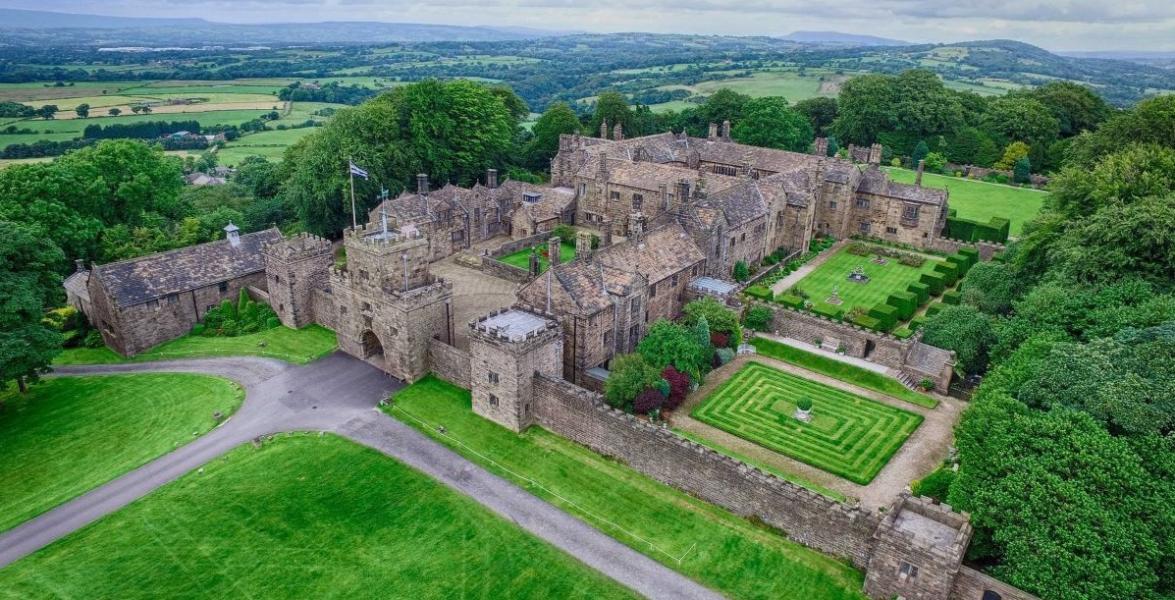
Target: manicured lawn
<point>883,280</point>
<point>725,552</point>
<point>849,436</point>
<point>298,346</point>
<point>304,516</point>
<point>68,435</point>
<point>980,200</point>
<point>521,259</point>
<point>843,371</point>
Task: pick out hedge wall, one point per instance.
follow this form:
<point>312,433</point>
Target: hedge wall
<point>790,300</point>
<point>868,322</point>
<point>886,315</point>
<point>952,297</point>
<point>828,311</point>
<point>906,303</point>
<point>950,272</point>
<point>760,292</point>
<point>921,290</point>
<point>934,281</point>
<point>996,230</point>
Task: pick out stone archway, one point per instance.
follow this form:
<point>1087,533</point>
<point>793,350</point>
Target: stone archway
<point>372,348</point>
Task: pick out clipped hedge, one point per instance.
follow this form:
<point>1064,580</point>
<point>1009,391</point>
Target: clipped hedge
<point>906,303</point>
<point>760,292</point>
<point>831,312</point>
<point>952,297</point>
<point>934,281</point>
<point>921,290</point>
<point>903,333</point>
<point>868,322</point>
<point>970,253</point>
<point>950,272</point>
<point>791,301</point>
<point>918,322</point>
<point>886,315</point>
<point>934,309</point>
<point>968,230</point>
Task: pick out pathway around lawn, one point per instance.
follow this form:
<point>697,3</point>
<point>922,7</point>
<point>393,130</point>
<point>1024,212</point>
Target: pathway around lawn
<point>339,394</point>
<point>923,451</point>
<point>794,277</point>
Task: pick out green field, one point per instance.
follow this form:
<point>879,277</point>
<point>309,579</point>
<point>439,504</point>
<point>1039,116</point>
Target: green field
<point>723,551</point>
<point>304,516</point>
<point>270,144</point>
<point>843,371</point>
<point>298,346</point>
<point>69,435</point>
<point>76,126</point>
<point>883,280</point>
<point>980,200</point>
<point>848,436</point>
<point>521,259</point>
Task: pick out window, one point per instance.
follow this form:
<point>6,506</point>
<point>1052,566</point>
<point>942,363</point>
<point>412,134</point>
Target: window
<point>907,572</point>
<point>865,226</point>
<point>891,230</point>
<point>608,337</point>
<point>673,281</point>
<point>493,377</point>
<point>637,201</point>
<point>172,298</point>
<point>493,400</point>
<point>583,189</point>
<point>732,241</point>
<point>615,195</point>
<point>222,287</point>
<point>366,306</point>
<point>362,273</point>
<point>862,203</point>
<point>910,212</point>
<point>634,335</point>
<point>646,316</point>
<point>653,291</point>
<point>832,204</point>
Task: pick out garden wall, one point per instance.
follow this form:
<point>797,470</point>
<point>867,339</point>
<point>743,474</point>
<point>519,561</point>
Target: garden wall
<point>971,585</point>
<point>501,270</point>
<point>986,249</point>
<point>805,516</point>
<point>449,363</point>
<point>886,349</point>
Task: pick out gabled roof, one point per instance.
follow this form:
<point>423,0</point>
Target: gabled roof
<point>154,276</point>
<point>873,181</point>
<point>656,255</point>
<point>739,204</point>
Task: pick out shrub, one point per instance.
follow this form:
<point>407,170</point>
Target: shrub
<point>934,309</point>
<point>952,297</point>
<point>905,302</point>
<point>678,387</point>
<point>934,281</point>
<point>911,260</point>
<point>917,322</point>
<point>949,271</point>
<point>791,300</point>
<point>741,272</point>
<point>231,320</point>
<point>886,315</point>
<point>935,485</point>
<point>758,318</point>
<point>759,292</point>
<point>926,384</point>
<point>921,290</point>
<point>804,403</point>
<point>724,355</point>
<point>648,400</point>
<point>94,339</point>
<point>868,322</point>
<point>718,316</point>
<point>859,249</point>
<point>630,374</point>
<point>831,312</point>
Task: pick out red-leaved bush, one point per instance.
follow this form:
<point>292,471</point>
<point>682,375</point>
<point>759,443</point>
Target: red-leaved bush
<point>719,339</point>
<point>648,400</point>
<point>678,387</point>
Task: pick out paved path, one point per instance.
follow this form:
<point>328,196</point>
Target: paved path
<point>339,394</point>
<point>785,284</point>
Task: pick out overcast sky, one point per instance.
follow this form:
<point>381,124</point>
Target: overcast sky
<point>1053,24</point>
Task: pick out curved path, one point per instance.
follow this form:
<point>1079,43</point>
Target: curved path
<point>339,394</point>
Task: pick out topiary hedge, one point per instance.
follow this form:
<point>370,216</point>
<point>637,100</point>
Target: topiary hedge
<point>760,292</point>
<point>934,281</point>
<point>906,303</point>
<point>868,322</point>
<point>995,230</point>
<point>903,333</point>
<point>831,312</point>
<point>917,322</point>
<point>949,271</point>
<point>791,300</point>
<point>886,315</point>
<point>921,290</point>
<point>952,297</point>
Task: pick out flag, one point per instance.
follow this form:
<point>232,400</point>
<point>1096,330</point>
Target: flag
<point>355,170</point>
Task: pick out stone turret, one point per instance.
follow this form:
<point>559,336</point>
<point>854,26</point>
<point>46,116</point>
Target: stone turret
<point>294,268</point>
<point>918,549</point>
<point>507,348</point>
<point>875,154</point>
<point>583,245</point>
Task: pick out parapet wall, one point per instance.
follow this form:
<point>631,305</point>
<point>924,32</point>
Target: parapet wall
<point>860,342</point>
<point>449,363</point>
<point>971,585</point>
<point>986,250</point>
<point>805,516</point>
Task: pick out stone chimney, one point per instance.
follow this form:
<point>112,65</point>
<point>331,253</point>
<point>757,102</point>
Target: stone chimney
<point>604,129</point>
<point>583,245</point>
<point>233,234</point>
<point>553,247</point>
<point>852,152</point>
<point>422,184</point>
<point>603,173</point>
<point>875,154</point>
<point>726,130</point>
<point>491,178</point>
<point>682,191</point>
<point>820,146</point>
<point>636,226</point>
<point>664,191</point>
<point>79,264</point>
<point>618,132</point>
<point>918,173</point>
<point>606,233</point>
<point>713,131</point>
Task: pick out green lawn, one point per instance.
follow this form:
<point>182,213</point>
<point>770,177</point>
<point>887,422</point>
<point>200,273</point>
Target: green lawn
<point>845,372</point>
<point>709,544</point>
<point>304,516</point>
<point>68,435</point>
<point>849,436</point>
<point>980,200</point>
<point>883,280</point>
<point>521,259</point>
<point>298,346</point>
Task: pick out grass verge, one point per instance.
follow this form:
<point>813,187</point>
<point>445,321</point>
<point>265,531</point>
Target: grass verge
<point>299,346</point>
<point>707,543</point>
<point>68,435</point>
<point>845,372</point>
<point>304,516</point>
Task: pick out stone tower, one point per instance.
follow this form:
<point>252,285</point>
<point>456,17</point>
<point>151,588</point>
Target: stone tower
<point>294,268</point>
<point>388,305</point>
<point>506,349</point>
<point>918,549</point>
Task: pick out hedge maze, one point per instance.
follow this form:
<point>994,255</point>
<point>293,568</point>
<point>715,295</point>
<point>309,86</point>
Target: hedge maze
<point>848,435</point>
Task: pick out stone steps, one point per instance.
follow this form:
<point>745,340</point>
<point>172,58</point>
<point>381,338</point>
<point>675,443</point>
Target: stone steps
<point>906,381</point>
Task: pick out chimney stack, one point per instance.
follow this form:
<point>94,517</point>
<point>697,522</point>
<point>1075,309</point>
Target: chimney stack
<point>618,132</point>
<point>875,154</point>
<point>664,191</point>
<point>918,174</point>
<point>233,234</point>
<point>713,131</point>
<point>726,130</point>
<point>422,184</point>
<point>603,129</point>
<point>492,178</point>
<point>583,245</point>
<point>553,248</point>
<point>79,264</point>
<point>852,153</point>
<point>682,191</point>
<point>820,147</point>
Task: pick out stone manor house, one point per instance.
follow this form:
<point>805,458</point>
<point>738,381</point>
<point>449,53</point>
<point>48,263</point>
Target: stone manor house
<point>673,214</point>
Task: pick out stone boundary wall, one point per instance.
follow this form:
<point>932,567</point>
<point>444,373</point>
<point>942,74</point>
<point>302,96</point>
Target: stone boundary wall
<point>450,363</point>
<point>887,350</point>
<point>501,270</point>
<point>970,585</point>
<point>325,312</point>
<point>257,294</point>
<point>538,239</point>
<point>804,515</point>
<point>986,249</point>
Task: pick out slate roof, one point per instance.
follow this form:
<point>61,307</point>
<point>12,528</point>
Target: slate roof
<point>154,276</point>
<point>873,181</point>
<point>739,204</point>
<point>414,208</point>
<point>656,255</point>
<point>78,285</point>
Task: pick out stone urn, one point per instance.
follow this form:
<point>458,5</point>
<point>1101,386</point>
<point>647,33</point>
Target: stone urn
<point>804,410</point>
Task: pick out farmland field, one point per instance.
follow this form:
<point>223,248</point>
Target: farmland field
<point>980,200</point>
<point>884,280</point>
<point>848,435</point>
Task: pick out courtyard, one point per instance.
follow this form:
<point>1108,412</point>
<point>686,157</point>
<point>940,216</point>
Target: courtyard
<point>521,258</point>
<point>847,435</point>
<point>831,280</point>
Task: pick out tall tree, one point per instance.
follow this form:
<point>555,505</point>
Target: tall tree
<point>820,111</point>
<point>866,107</point>
<point>768,122</point>
<point>28,275</point>
<point>613,108</point>
<point>557,120</point>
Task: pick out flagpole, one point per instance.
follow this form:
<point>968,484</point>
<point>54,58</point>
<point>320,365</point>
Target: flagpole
<point>354,220</point>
